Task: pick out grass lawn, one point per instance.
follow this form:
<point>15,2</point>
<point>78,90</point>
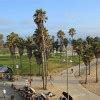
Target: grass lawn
<point>55,63</point>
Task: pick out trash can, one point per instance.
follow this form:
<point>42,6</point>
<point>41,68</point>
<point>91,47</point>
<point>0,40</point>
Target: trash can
<point>66,95</point>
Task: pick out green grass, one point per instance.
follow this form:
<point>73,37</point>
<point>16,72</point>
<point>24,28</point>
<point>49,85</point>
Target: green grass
<point>55,63</point>
<point>4,51</point>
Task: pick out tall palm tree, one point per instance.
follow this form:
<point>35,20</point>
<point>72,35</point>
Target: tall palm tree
<point>85,59</point>
<point>72,32</point>
<point>39,19</point>
<point>89,40</point>
<point>96,50</point>
<point>60,35</point>
<point>78,48</point>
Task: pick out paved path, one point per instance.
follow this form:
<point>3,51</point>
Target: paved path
<point>9,92</point>
<point>77,91</point>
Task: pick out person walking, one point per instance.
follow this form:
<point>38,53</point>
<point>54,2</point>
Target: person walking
<point>4,92</point>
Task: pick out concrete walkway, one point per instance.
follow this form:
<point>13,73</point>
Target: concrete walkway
<point>9,92</point>
<point>76,90</point>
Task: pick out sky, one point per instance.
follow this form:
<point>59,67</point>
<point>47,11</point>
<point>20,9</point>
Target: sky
<point>83,15</point>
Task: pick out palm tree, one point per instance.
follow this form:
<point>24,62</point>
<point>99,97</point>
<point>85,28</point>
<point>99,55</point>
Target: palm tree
<point>60,35</point>
<point>65,42</point>
<point>53,45</point>
<point>56,45</point>
<point>72,32</point>
<point>11,42</point>
<point>29,47</point>
<point>96,50</point>
<point>39,19</point>
<point>20,46</point>
<point>89,40</point>
<point>78,48</point>
<point>85,59</point>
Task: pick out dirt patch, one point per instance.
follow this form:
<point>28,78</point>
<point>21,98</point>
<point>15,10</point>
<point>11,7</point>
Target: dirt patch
<point>91,83</point>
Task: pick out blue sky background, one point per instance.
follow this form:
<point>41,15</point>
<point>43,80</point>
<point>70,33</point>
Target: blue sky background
<point>83,15</point>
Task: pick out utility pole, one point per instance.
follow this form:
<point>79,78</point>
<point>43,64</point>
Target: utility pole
<point>67,72</point>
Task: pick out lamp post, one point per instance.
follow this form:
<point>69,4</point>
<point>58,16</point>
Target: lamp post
<point>67,63</point>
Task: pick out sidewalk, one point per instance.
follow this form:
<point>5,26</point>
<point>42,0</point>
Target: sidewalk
<point>9,92</point>
<point>76,90</point>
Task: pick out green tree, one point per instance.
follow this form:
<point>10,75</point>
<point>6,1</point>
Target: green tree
<point>72,32</point>
<point>11,42</point>
<point>20,46</point>
<point>61,35</point>
<point>56,45</point>
<point>87,57</point>
<point>78,48</point>
<point>29,47</point>
<point>65,42</point>
<point>96,50</point>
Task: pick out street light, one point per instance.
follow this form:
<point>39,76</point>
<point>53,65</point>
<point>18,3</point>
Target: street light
<point>67,71</point>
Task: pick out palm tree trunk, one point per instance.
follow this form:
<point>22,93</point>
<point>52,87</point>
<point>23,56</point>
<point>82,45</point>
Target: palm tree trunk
<point>89,69</point>
<point>13,62</point>
<point>72,47</point>
<point>96,70</point>
<point>72,50</point>
<point>30,69</point>
<point>39,70</point>
<point>47,67</point>
<point>86,75</point>
<point>44,63</point>
<point>43,70</point>
<point>21,62</point>
<point>79,65</point>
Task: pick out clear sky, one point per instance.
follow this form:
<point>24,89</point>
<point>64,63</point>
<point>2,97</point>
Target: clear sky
<point>83,15</point>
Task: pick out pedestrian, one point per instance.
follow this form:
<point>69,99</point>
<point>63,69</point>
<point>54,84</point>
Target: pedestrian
<point>72,70</point>
<point>30,81</point>
<point>4,92</point>
<point>50,77</point>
